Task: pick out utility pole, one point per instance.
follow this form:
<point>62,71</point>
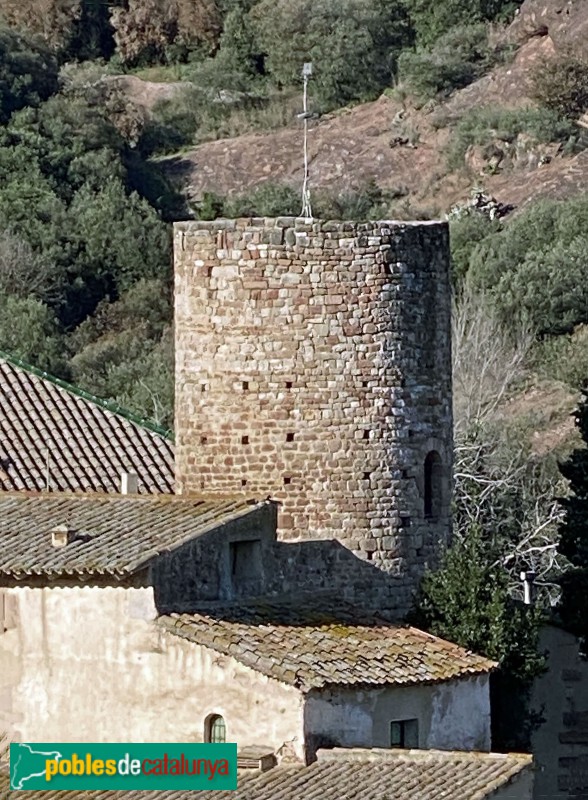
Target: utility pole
<point>306,207</point>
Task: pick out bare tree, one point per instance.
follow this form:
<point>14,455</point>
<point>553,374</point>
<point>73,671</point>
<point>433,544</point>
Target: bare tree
<point>500,485</point>
<point>23,272</point>
<point>488,359</point>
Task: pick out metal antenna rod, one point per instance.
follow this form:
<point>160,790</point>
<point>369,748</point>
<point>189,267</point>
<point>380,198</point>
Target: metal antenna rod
<point>306,207</point>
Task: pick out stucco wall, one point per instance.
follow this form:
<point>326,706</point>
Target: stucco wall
<point>454,715</point>
<point>87,664</point>
<point>313,363</point>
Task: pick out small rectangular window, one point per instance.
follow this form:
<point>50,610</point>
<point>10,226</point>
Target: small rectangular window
<point>246,567</point>
<point>404,733</point>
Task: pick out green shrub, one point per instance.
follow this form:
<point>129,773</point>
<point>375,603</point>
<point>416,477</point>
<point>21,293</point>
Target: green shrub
<point>549,288</point>
<point>63,180</point>
<point>466,233</point>
<point>211,206</point>
<point>268,200</point>
<point>561,85</point>
<point>459,57</point>
<point>124,352</point>
<point>275,199</point>
<point>537,266</point>
<point>432,19</point>
<point>368,202</point>
<point>29,330</point>
<point>467,601</point>
<point>482,126</point>
<point>564,358</point>
<point>353,44</point>
<point>28,73</point>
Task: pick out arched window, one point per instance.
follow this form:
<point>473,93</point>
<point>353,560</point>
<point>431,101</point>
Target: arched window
<point>433,485</point>
<point>215,730</point>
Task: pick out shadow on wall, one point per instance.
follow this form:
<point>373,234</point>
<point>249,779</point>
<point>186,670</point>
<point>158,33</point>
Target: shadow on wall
<point>241,561</point>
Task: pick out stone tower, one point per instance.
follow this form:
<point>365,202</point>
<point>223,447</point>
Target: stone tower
<point>313,364</point>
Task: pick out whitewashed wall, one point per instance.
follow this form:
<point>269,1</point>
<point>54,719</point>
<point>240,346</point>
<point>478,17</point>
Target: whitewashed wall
<point>87,664</point>
<point>453,715</point>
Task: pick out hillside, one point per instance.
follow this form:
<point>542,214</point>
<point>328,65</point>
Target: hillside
<point>128,113</point>
<point>350,147</point>
<point>118,119</point>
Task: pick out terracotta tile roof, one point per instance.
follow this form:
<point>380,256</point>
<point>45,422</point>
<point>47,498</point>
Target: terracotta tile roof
<point>316,650</point>
<point>115,535</point>
<point>383,775</point>
<point>4,752</point>
<point>88,442</point>
<point>357,774</point>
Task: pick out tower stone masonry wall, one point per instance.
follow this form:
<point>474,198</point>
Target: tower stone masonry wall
<point>313,364</point>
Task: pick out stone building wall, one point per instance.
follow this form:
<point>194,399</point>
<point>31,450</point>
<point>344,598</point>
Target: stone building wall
<point>313,364</point>
<point>560,698</point>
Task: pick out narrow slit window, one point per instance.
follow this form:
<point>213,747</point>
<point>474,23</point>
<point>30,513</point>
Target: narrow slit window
<point>433,483</point>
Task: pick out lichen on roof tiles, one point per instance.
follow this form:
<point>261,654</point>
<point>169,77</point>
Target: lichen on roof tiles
<point>113,534</point>
<point>311,654</point>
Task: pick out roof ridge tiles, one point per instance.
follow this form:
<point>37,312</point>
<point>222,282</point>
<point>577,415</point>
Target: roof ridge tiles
<point>391,754</point>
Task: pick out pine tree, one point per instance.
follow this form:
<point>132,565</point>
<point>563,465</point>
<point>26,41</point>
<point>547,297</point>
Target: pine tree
<point>573,543</point>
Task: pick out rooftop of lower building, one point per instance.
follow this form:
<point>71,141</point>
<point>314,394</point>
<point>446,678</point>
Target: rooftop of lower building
<point>105,534</point>
<point>312,648</point>
<point>354,773</point>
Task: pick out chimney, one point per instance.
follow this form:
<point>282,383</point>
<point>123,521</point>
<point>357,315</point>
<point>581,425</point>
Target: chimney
<point>129,483</point>
<point>528,579</point>
<point>62,535</point>
<point>254,757</point>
